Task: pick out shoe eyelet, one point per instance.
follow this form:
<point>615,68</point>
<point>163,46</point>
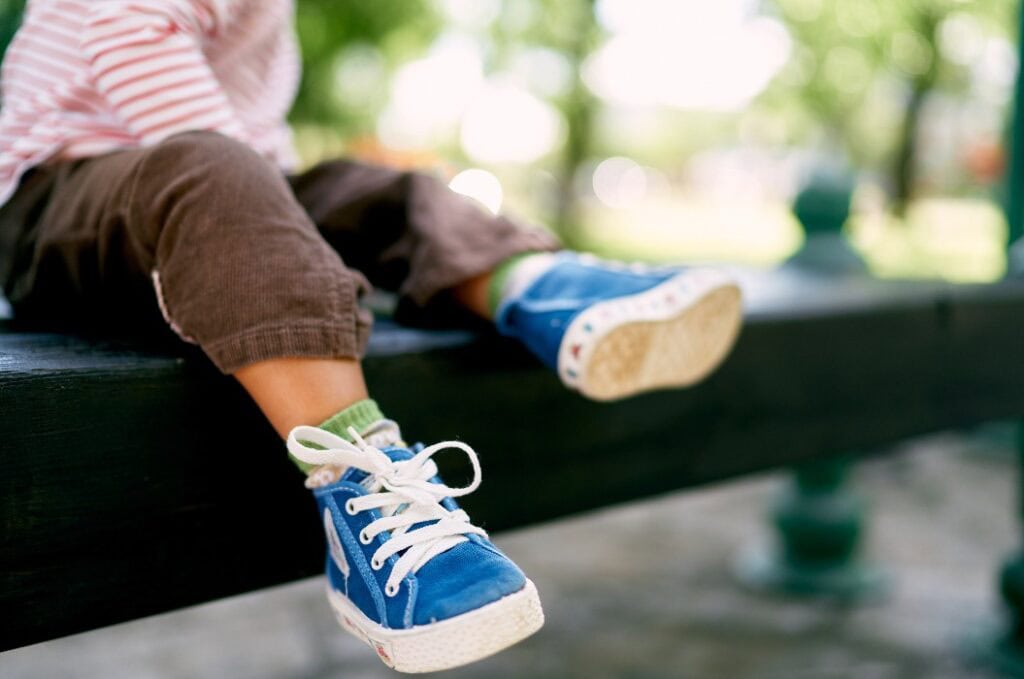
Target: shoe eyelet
<point>364,538</point>
<point>350,508</point>
<point>391,591</point>
<point>375,564</point>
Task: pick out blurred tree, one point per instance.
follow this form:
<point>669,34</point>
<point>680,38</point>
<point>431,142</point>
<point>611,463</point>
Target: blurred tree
<point>924,19</point>
<point>578,38</point>
<point>569,28</point>
<point>848,51</point>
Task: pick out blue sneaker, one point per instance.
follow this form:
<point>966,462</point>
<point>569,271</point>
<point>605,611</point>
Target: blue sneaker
<point>406,570</point>
<point>611,330</point>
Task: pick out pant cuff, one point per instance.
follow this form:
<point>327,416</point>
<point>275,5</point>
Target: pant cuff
<point>288,341</point>
<point>467,264</point>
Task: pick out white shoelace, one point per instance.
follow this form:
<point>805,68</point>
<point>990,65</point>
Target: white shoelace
<point>403,493</point>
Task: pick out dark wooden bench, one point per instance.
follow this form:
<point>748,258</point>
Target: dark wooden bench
<point>135,482</point>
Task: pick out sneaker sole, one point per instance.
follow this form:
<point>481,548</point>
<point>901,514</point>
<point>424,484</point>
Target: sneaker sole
<point>673,335</point>
<point>449,643</point>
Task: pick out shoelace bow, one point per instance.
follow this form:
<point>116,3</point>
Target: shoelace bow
<point>402,491</point>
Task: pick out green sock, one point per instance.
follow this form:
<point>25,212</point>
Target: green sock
<point>359,416</point>
<point>511,274</point>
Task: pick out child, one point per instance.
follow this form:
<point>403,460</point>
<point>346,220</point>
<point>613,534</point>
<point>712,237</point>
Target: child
<point>142,148</point>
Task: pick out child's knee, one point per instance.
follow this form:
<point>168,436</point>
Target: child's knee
<point>198,178</point>
<point>203,149</point>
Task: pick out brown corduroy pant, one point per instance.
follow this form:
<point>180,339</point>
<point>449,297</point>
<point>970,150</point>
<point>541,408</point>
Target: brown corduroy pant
<point>239,258</point>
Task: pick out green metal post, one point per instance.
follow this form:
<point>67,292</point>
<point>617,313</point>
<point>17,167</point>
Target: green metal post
<point>823,207</point>
<point>818,521</point>
<point>1015,176</point>
<point>819,526</point>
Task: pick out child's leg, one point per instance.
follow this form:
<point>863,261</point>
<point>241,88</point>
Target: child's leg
<point>609,330</point>
<point>210,232</point>
<point>297,391</point>
<point>203,231</point>
<point>475,294</point>
<point>410,234</point>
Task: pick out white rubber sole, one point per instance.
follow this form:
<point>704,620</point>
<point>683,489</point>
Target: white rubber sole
<point>672,335</point>
<point>450,643</point>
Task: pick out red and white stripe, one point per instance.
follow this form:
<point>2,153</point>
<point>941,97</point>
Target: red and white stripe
<point>85,77</point>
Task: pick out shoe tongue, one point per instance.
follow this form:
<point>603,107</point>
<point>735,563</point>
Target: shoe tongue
<point>367,481</point>
<point>383,434</point>
<point>354,475</point>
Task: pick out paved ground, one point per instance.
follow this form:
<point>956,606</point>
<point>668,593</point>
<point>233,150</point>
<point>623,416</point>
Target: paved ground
<point>646,591</point>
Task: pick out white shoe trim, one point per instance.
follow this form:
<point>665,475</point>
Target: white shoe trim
<point>667,301</point>
<point>449,643</point>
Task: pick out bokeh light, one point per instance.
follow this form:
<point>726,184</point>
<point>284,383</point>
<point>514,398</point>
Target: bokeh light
<point>480,185</point>
<point>504,123</point>
<point>685,53</point>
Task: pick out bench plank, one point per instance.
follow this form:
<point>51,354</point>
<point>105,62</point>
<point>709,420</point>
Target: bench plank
<point>138,481</point>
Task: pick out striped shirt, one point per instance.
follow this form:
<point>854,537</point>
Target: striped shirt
<point>85,77</point>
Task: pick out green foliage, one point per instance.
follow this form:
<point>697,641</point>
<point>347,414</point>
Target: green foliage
<point>10,18</point>
<point>853,58</point>
<point>388,31</point>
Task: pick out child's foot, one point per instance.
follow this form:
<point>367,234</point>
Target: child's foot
<point>612,330</point>
<point>406,570</point>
